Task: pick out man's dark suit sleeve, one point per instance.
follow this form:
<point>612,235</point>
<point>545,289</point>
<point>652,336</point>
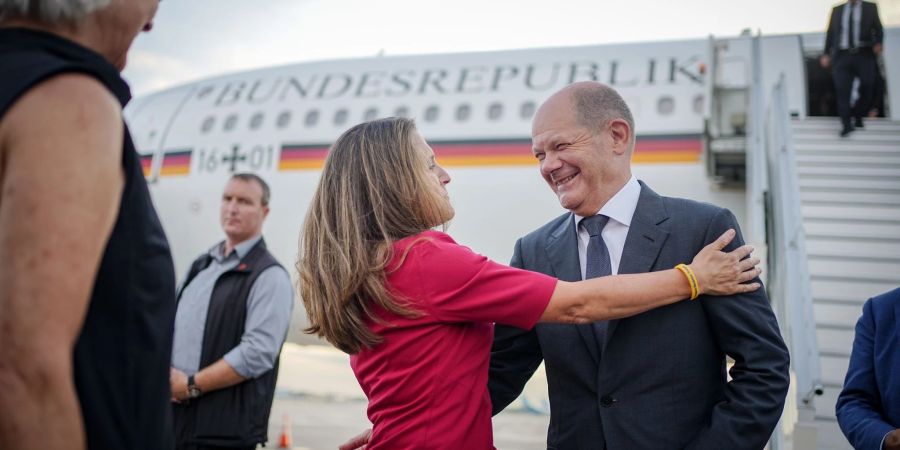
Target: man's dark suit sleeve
<point>515,355</point>
<point>745,328</point>
<point>859,405</point>
<point>877,29</point>
<point>830,33</point>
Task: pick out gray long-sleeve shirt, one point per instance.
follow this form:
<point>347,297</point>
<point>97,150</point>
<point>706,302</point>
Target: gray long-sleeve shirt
<point>269,307</point>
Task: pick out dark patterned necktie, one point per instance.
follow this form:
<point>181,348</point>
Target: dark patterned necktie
<point>598,263</point>
<point>851,42</point>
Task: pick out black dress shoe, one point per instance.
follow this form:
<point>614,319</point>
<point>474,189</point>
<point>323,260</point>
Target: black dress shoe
<point>858,123</point>
<point>846,131</point>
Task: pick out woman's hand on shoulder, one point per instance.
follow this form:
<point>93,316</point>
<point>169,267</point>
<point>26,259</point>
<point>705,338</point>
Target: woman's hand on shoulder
<point>721,273</point>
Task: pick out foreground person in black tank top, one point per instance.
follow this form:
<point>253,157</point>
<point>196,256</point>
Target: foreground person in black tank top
<point>86,278</point>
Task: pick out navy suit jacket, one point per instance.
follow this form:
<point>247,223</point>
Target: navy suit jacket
<point>871,31</point>
<point>869,405</point>
<point>661,381</point>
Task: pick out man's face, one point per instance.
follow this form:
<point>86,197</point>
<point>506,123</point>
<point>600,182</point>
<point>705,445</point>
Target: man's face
<point>242,212</point>
<point>574,160</point>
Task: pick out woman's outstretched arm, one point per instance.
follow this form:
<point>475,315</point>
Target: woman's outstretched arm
<point>614,297</point>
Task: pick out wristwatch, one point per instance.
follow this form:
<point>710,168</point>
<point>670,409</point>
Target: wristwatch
<point>193,389</point>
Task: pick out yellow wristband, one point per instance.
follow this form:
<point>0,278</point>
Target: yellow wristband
<point>692,280</point>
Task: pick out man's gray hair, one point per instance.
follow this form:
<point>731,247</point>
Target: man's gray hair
<point>50,12</point>
<point>597,104</point>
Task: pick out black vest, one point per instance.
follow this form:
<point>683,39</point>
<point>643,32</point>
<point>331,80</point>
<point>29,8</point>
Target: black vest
<point>123,352</point>
<point>237,415</point>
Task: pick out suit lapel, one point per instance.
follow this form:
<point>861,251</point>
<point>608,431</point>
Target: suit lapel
<point>562,252</point>
<point>644,241</point>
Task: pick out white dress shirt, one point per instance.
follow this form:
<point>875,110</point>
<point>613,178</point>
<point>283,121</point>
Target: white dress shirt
<point>620,209</point>
<point>849,8</point>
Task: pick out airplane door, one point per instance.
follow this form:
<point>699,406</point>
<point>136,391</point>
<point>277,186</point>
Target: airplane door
<point>154,117</point>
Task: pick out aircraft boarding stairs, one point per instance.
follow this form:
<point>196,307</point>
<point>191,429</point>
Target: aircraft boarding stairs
<point>849,192</point>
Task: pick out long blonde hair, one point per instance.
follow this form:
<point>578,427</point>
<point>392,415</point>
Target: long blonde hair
<point>375,189</point>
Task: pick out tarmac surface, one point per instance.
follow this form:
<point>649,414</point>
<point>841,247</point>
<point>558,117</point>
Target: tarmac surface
<point>320,424</point>
<point>323,405</point>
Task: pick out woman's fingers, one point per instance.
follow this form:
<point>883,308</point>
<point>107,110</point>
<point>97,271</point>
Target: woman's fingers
<point>723,240</point>
<point>742,251</point>
<point>748,275</point>
<point>748,264</point>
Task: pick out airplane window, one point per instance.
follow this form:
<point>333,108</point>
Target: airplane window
<point>402,111</point>
<point>207,124</point>
<point>312,118</point>
<point>463,112</point>
<point>495,111</point>
<point>283,119</point>
<point>698,104</point>
<point>340,117</point>
<point>665,105</point>
<point>256,121</point>
<point>371,114</point>
<point>431,113</point>
<point>527,110</point>
<point>230,122</point>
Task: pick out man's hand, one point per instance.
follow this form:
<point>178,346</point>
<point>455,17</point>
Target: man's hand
<point>178,385</point>
<point>877,49</point>
<point>358,442</point>
<point>825,61</point>
<point>892,440</point>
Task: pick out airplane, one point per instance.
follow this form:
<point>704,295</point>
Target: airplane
<point>474,109</point>
<point>689,99</point>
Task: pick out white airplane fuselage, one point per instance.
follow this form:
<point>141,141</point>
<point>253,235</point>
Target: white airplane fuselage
<point>475,110</point>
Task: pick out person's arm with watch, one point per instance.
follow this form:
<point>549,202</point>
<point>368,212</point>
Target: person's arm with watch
<point>213,377</point>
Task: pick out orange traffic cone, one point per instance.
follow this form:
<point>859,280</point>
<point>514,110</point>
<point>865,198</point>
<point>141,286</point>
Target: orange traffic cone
<point>286,440</point>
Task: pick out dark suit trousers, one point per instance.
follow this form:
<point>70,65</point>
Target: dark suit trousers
<point>184,430</point>
<point>848,66</point>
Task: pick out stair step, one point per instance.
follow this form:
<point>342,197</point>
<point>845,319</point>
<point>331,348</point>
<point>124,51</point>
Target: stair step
<point>839,196</point>
<point>834,121</point>
<point>846,290</point>
<point>827,147</point>
<point>829,436</point>
<point>833,369</point>
<point>838,267</point>
<point>811,159</point>
<point>890,214</point>
<point>825,402</point>
<point>885,184</point>
<point>835,132</point>
<point>869,126</point>
<point>872,170</point>
<point>834,129</point>
<point>837,314</point>
<point>885,136</point>
<point>853,249</point>
<point>851,230</point>
<point>834,341</point>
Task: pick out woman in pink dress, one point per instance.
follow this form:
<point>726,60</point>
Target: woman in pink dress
<point>415,310</point>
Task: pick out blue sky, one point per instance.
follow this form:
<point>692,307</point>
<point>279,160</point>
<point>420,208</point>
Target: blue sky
<point>194,39</point>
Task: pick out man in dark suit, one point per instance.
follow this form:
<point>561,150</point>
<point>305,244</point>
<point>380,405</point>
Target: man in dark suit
<point>868,409</point>
<point>852,41</point>
<point>656,380</point>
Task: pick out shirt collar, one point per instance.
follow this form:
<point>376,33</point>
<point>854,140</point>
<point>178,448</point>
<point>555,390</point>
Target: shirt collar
<point>241,249</point>
<point>621,206</point>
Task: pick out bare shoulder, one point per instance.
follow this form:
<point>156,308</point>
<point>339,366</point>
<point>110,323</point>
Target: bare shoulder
<point>67,106</point>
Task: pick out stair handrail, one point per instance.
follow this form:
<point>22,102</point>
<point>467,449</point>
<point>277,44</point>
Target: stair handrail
<point>789,279</point>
